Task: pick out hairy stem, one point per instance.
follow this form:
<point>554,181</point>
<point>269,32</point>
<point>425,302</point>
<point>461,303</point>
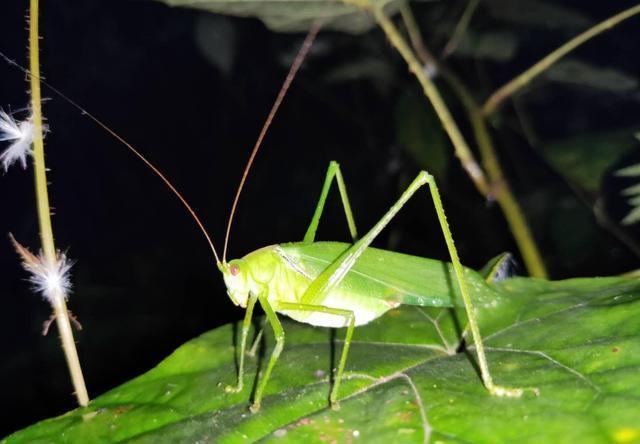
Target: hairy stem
<point>44,212</point>
<point>516,84</point>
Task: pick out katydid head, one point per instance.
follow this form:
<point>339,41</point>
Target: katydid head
<point>237,280</point>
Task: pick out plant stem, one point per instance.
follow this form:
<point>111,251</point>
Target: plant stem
<point>44,212</point>
<point>503,194</point>
<point>460,29</point>
<point>507,90</point>
<point>460,145</point>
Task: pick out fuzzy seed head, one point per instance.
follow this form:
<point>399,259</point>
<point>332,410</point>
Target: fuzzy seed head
<point>51,280</point>
<point>20,134</point>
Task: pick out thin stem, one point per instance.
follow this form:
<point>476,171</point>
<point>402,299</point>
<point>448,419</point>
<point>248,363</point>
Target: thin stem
<point>460,29</point>
<point>505,198</point>
<point>44,212</point>
<point>461,148</point>
<point>413,30</point>
<point>510,88</point>
<point>501,190</point>
<point>508,204</point>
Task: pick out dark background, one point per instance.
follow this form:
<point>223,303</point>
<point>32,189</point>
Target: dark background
<point>191,91</point>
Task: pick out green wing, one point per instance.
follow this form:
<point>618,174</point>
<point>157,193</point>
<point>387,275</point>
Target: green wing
<point>396,277</point>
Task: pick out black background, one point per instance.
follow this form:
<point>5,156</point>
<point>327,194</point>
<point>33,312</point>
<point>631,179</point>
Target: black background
<point>144,280</point>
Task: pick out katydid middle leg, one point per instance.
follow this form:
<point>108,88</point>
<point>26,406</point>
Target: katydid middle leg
<point>333,172</point>
<point>331,277</point>
<point>349,323</point>
<point>273,320</point>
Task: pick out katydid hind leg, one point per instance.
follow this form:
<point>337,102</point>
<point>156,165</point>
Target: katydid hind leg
<point>349,318</point>
<point>246,324</point>
<point>464,290</point>
<point>331,277</point>
<point>333,172</point>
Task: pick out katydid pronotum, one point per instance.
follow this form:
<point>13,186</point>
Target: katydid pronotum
<point>329,284</point>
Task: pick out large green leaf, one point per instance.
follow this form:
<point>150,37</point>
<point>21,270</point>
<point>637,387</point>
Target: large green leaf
<point>295,15</point>
<point>576,341</point>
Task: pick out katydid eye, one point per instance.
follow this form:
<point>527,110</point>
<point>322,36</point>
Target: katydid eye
<point>234,270</point>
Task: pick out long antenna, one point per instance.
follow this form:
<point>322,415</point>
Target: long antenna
<point>295,66</point>
<point>125,143</point>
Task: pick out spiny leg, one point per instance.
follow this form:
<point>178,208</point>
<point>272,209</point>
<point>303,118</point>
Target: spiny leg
<point>332,172</point>
<point>277,349</point>
<point>473,320</point>
<point>349,323</point>
<point>246,324</point>
<point>331,277</point>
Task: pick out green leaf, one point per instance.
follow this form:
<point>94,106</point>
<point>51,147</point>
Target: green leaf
<point>577,72</point>
<point>537,13</point>
<point>576,341</point>
<point>584,159</point>
<point>419,132</point>
<point>296,15</point>
<point>499,46</point>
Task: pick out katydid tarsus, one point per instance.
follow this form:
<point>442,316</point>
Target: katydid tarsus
<point>329,284</point>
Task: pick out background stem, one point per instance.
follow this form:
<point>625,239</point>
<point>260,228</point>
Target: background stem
<point>460,145</point>
<point>499,188</point>
<point>507,90</point>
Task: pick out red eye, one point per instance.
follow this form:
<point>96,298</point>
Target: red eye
<point>234,270</point>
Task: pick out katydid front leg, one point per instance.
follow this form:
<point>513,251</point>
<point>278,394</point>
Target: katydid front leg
<point>246,324</point>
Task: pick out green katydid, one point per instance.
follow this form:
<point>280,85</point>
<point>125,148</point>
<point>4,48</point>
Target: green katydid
<point>331,284</point>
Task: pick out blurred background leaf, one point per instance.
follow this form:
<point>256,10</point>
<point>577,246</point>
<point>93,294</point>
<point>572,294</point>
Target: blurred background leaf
<point>579,73</point>
<point>584,159</point>
<point>295,15</point>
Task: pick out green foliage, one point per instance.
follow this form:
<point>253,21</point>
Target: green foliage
<point>633,194</point>
<point>576,341</point>
<point>295,15</point>
<point>584,159</point>
<point>420,133</point>
<point>580,73</point>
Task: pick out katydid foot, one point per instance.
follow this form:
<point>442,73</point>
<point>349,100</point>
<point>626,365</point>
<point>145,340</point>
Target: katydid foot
<point>511,392</point>
<point>233,388</point>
